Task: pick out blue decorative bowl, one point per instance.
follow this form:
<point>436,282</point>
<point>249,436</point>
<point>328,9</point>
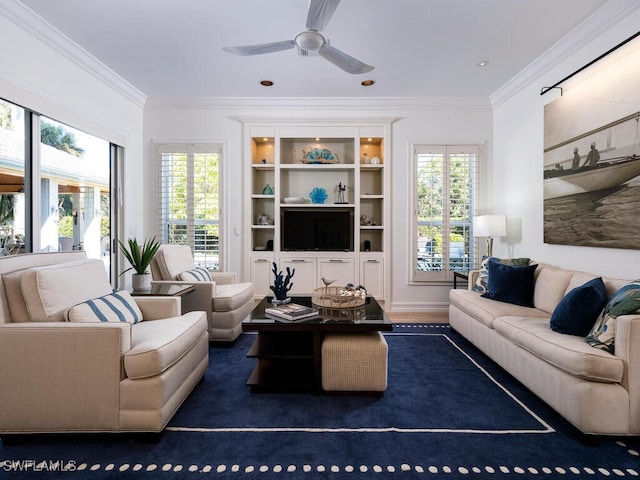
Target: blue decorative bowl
<point>318,195</point>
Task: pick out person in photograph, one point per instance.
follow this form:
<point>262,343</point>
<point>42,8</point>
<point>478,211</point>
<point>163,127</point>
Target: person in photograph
<point>576,159</point>
<point>594,156</point>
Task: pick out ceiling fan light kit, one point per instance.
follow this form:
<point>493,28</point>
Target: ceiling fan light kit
<point>311,40</point>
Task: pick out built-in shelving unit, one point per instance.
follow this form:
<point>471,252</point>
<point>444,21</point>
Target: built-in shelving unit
<point>285,162</point>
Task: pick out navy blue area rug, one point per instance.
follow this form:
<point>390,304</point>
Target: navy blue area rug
<point>449,412</point>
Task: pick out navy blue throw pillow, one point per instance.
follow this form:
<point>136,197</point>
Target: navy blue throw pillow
<point>511,284</point>
<point>578,311</point>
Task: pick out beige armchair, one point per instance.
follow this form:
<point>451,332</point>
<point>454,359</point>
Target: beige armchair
<point>66,368</point>
<point>226,301</point>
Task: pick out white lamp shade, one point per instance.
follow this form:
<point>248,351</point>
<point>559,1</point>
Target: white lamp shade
<point>490,226</point>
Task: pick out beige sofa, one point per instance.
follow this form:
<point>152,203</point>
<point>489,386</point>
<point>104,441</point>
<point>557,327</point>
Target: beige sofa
<point>598,392</point>
<point>90,376</point>
<point>226,301</point>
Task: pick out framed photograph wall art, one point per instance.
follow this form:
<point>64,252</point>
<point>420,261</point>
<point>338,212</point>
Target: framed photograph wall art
<point>591,172</point>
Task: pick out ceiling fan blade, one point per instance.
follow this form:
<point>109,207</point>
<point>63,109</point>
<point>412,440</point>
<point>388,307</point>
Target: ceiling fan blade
<point>344,61</point>
<point>320,12</point>
<point>261,48</point>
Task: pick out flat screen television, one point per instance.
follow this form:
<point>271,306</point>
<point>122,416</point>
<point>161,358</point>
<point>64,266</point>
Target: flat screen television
<point>315,229</point>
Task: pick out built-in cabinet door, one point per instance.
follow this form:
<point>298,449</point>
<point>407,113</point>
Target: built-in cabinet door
<point>372,276</point>
<point>261,276</point>
<point>304,278</point>
<point>341,271</point>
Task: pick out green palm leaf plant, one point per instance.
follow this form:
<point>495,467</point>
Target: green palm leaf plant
<point>139,256</point>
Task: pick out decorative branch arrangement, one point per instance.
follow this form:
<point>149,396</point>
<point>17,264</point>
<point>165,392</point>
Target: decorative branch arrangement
<point>281,286</point>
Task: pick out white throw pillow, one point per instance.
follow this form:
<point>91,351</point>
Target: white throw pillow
<point>198,274</point>
<point>49,291</point>
<point>115,307</point>
<point>13,291</point>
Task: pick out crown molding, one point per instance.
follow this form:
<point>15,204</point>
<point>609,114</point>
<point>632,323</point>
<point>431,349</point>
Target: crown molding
<point>33,24</point>
<point>319,103</point>
<point>280,120</point>
<point>599,22</point>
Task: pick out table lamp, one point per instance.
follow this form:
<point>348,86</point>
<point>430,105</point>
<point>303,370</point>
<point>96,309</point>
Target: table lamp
<point>490,226</point>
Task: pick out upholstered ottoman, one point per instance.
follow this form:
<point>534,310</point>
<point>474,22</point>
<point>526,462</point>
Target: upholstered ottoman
<point>354,362</point>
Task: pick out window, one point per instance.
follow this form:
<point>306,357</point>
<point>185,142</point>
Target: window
<point>445,181</point>
<point>12,174</point>
<point>75,190</point>
<point>189,200</point>
<point>55,194</point>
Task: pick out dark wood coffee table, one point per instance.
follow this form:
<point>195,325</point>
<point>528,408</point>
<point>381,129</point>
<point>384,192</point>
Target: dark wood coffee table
<point>289,352</point>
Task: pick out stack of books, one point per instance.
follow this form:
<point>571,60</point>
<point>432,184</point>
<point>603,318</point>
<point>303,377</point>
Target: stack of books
<point>292,311</point>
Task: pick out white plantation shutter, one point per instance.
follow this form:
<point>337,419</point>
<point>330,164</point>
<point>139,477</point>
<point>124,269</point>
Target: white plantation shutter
<point>445,194</point>
<point>189,199</point>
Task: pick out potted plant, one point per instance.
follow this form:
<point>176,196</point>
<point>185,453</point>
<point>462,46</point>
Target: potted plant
<point>140,258</point>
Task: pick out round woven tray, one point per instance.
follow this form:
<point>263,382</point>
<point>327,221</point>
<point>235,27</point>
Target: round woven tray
<point>329,297</point>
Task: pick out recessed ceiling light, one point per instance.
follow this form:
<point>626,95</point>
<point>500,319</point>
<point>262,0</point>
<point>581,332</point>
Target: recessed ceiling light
<point>266,83</point>
<point>483,63</point>
<point>367,83</point>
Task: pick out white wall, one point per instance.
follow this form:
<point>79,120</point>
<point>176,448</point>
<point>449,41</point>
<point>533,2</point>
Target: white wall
<point>35,75</point>
<point>425,120</point>
<point>449,124</point>
<point>518,161</point>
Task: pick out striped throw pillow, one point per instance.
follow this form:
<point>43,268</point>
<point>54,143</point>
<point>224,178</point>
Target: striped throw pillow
<point>198,274</point>
<point>115,307</point>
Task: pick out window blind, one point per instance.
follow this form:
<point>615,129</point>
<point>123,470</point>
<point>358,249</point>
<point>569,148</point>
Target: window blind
<point>189,199</point>
<point>445,193</point>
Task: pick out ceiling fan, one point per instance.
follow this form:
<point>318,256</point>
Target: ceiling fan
<point>310,41</point>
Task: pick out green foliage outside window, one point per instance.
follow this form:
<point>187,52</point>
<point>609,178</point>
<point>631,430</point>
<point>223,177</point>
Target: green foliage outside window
<point>65,226</point>
<point>6,121</point>
<point>6,210</point>
<point>57,137</point>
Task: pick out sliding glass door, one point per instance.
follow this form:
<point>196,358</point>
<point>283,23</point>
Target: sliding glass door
<point>55,194</point>
<point>75,190</point>
<point>12,173</point>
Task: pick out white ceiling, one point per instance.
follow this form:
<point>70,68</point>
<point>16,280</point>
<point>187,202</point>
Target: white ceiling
<point>420,48</point>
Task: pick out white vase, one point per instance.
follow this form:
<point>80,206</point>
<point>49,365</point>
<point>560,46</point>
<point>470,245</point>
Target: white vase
<point>141,282</point>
